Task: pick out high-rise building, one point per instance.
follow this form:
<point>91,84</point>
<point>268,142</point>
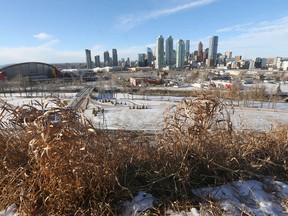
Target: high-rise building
<point>141,59</point>
<point>180,54</point>
<point>114,57</point>
<point>174,57</point>
<point>187,51</point>
<point>213,46</point>
<point>160,61</point>
<point>168,50</point>
<point>200,52</point>
<point>97,61</point>
<point>149,56</point>
<point>205,54</point>
<point>187,47</point>
<point>257,62</point>
<point>228,55</point>
<point>260,63</point>
<point>88,59</point>
<point>128,62</point>
<point>106,58</point>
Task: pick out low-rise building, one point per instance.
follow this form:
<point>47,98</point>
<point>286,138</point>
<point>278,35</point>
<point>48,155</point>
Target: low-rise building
<point>136,81</point>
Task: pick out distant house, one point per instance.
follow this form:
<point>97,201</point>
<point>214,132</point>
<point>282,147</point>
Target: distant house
<point>143,69</point>
<point>136,81</point>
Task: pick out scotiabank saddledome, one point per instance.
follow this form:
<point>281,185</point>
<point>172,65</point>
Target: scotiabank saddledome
<point>31,71</point>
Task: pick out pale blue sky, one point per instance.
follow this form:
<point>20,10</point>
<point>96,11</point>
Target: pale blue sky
<point>58,31</point>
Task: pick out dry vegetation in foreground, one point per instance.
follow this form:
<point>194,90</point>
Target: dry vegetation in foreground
<point>71,168</point>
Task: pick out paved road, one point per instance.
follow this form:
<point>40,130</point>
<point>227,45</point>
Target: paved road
<point>81,99</point>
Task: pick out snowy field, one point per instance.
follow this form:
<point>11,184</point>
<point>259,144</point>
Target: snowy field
<point>142,112</point>
<point>123,116</point>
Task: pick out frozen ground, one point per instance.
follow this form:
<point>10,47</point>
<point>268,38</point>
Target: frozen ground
<point>129,114</point>
<point>270,87</point>
<point>138,112</point>
<point>268,197</point>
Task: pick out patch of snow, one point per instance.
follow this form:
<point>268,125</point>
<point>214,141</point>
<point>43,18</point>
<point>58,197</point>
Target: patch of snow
<point>252,197</point>
<point>192,212</point>
<point>10,211</point>
<point>140,203</point>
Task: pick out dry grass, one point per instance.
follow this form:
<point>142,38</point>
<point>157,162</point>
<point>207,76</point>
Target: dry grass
<point>71,168</point>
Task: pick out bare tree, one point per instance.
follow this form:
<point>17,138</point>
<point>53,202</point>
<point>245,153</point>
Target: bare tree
<point>22,83</point>
<point>3,87</point>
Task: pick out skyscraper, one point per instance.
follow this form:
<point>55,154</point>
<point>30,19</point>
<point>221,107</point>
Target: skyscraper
<point>257,63</point>
<point>128,62</point>
<point>88,59</point>
<point>160,61</point>
<point>180,54</point>
<point>106,58</point>
<point>114,57</point>
<point>187,51</point>
<point>174,57</point>
<point>200,52</point>
<point>168,50</point>
<point>141,59</point>
<point>149,56</point>
<point>97,61</point>
<point>205,54</point>
<point>187,47</point>
<point>213,46</point>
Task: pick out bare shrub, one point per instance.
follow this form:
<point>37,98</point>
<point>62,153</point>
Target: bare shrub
<point>63,167</point>
<point>198,138</point>
<point>202,148</point>
<point>68,167</point>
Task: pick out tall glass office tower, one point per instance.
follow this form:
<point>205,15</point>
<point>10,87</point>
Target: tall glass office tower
<point>180,54</point>
<point>160,61</point>
<point>97,61</point>
<point>149,56</point>
<point>168,50</point>
<point>187,46</point>
<point>114,57</point>
<point>106,58</point>
<point>88,59</point>
<point>213,46</point>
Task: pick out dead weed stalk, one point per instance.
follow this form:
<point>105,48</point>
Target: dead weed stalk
<point>68,167</point>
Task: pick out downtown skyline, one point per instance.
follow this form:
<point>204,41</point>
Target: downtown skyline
<point>59,31</point>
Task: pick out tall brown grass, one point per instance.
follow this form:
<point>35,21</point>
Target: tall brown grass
<point>71,168</point>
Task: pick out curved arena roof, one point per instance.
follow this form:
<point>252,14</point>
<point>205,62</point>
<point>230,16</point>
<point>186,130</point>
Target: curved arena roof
<point>32,71</point>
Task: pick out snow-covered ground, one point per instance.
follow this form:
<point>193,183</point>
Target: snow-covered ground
<point>17,99</point>
<point>268,197</point>
<point>142,112</point>
<point>270,87</point>
<point>124,116</point>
